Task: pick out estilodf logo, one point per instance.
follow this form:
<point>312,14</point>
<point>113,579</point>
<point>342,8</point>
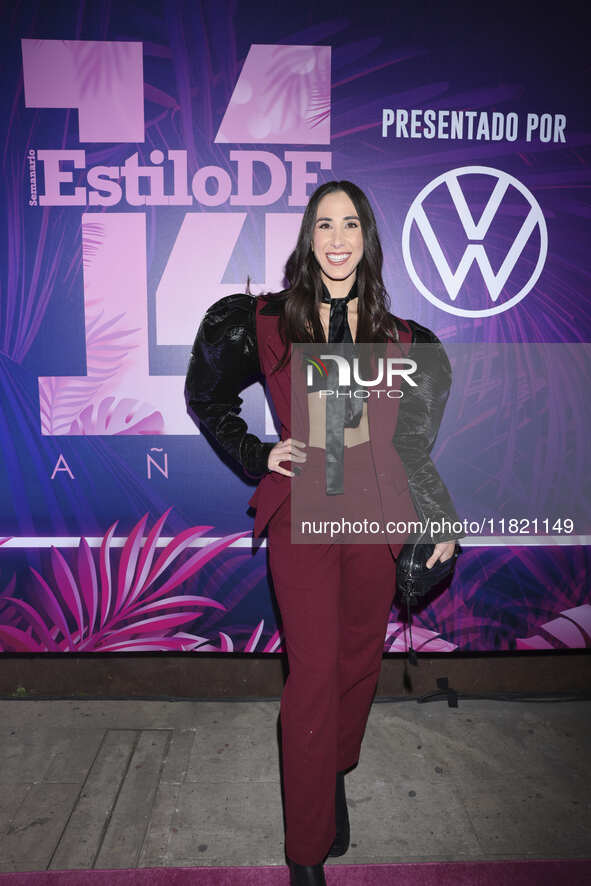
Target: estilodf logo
<point>486,224</point>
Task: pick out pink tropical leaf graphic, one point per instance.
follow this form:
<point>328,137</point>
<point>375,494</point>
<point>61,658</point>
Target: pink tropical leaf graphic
<point>254,637</point>
<point>423,640</point>
<point>92,609</point>
<point>93,236</point>
<point>35,620</point>
<point>119,418</point>
<point>205,645</point>
<point>105,569</point>
<point>273,644</point>
<point>15,640</point>
<point>128,562</point>
<point>282,95</point>
<point>88,580</point>
<point>99,66</point>
<point>571,630</point>
<point>301,86</point>
<point>108,352</point>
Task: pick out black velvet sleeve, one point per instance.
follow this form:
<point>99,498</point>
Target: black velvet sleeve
<point>419,417</point>
<point>224,360</point>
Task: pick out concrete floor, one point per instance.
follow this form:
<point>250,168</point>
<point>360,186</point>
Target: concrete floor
<point>122,784</point>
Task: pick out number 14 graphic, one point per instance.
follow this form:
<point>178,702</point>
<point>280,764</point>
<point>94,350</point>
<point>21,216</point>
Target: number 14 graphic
<point>118,395</point>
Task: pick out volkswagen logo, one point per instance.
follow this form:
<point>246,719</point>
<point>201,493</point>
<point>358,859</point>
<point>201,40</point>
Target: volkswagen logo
<point>481,250</point>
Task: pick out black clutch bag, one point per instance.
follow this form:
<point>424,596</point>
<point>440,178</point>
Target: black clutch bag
<point>413,579</point>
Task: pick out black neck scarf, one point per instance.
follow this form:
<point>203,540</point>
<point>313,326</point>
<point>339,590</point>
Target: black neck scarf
<point>339,329</point>
<point>342,411</point>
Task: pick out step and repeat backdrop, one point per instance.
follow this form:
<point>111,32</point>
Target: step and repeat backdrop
<point>156,158</point>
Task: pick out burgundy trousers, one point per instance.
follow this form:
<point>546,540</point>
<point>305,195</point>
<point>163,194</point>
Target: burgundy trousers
<point>335,600</point>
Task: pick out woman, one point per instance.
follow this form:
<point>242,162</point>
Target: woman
<point>334,598</point>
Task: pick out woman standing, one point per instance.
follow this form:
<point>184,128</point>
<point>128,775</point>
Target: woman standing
<point>334,598</point>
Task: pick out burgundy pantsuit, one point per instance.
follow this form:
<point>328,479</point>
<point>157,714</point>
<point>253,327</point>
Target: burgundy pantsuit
<point>334,595</point>
<point>335,601</point>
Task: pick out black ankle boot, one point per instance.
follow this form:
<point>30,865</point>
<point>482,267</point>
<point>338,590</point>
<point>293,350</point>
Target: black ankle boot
<point>305,874</point>
<point>341,841</point>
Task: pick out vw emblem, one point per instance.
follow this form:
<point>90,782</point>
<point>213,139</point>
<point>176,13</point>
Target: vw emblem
<point>510,234</point>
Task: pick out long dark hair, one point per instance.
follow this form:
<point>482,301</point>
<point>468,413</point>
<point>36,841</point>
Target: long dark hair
<point>299,318</point>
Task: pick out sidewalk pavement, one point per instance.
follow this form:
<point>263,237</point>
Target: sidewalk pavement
<point>124,784</point>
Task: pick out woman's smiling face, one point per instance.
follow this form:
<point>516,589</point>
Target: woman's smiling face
<point>338,238</point>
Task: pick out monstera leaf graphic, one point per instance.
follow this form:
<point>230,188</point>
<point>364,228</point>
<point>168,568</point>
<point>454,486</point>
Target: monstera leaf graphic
<point>108,350</point>
<point>102,609</point>
<point>121,417</point>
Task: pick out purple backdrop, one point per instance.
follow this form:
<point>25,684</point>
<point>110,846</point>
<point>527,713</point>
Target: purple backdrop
<point>155,159</point>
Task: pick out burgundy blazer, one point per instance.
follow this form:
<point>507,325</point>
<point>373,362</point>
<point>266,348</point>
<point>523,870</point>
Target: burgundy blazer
<point>274,487</point>
<point>238,340</point>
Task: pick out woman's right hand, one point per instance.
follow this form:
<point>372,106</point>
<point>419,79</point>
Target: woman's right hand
<point>286,449</point>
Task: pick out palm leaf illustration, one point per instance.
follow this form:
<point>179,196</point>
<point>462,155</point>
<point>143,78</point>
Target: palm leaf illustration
<point>272,645</point>
<point>97,607</point>
<point>300,88</point>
